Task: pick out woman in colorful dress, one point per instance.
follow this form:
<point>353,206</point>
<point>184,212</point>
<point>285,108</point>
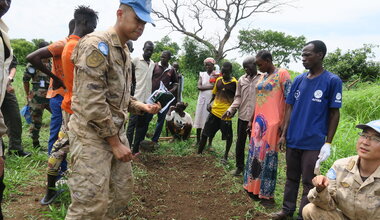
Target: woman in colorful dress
<point>261,170</point>
<point>206,83</point>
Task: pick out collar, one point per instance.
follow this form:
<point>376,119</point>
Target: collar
<point>168,68</point>
<point>74,37</point>
<point>115,40</point>
<point>248,77</point>
<point>142,59</point>
<point>3,26</point>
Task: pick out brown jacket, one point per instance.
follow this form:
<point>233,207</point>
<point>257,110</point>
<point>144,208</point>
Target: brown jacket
<point>347,191</point>
<point>101,90</point>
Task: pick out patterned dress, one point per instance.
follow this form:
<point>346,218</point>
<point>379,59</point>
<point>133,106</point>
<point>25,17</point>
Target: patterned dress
<point>261,168</point>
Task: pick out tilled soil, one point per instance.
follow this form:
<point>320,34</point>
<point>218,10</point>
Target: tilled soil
<point>189,187</point>
<point>166,187</point>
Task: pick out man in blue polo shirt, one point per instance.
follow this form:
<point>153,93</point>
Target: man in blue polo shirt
<point>311,119</point>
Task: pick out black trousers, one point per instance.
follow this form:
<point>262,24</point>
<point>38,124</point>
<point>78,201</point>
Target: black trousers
<point>240,143</point>
<point>12,119</point>
<point>299,163</point>
<point>137,128</point>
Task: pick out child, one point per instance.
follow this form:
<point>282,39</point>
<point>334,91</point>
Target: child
<point>179,122</point>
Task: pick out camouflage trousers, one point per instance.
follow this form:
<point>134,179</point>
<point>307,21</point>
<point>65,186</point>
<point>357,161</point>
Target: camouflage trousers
<point>100,185</point>
<point>60,148</point>
<point>313,212</point>
<point>58,154</point>
<point>37,107</point>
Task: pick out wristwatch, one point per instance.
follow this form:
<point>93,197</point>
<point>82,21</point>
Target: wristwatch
<point>10,79</point>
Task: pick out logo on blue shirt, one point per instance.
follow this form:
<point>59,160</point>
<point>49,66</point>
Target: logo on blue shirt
<point>318,95</point>
<point>338,97</point>
<point>297,94</point>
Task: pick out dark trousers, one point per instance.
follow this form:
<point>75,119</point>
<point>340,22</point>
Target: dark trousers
<point>299,163</point>
<point>159,125</point>
<point>131,128</point>
<point>240,143</point>
<point>12,119</point>
<point>140,129</point>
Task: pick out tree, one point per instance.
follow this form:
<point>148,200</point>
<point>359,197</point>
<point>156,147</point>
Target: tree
<point>284,48</point>
<point>194,54</point>
<point>165,44</point>
<point>353,64</point>
<point>226,14</point>
<point>21,48</point>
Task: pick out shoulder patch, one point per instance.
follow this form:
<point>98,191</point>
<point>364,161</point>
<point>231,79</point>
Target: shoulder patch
<point>94,59</point>
<point>103,47</point>
<point>351,165</point>
<point>331,174</point>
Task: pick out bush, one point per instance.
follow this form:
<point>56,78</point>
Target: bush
<point>353,64</point>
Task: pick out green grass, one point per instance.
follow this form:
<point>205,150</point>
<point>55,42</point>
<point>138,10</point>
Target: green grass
<point>360,105</point>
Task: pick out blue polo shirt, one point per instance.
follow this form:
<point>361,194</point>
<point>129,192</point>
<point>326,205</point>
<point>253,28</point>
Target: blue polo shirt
<point>311,100</point>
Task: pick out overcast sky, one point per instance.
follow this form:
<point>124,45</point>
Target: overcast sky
<point>345,24</point>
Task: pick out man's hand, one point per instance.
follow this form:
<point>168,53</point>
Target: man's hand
<point>152,108</point>
<point>10,88</point>
<point>320,182</point>
<point>57,83</point>
<point>29,97</point>
<point>282,143</point>
<point>227,114</point>
<point>325,152</point>
<point>122,152</point>
<point>209,107</point>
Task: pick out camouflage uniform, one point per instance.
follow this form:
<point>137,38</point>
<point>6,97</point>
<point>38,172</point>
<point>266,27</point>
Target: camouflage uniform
<point>100,185</point>
<point>39,102</point>
<point>347,196</point>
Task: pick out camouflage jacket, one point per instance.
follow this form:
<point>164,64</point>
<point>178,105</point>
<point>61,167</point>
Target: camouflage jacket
<point>347,191</point>
<point>101,89</point>
<point>40,81</point>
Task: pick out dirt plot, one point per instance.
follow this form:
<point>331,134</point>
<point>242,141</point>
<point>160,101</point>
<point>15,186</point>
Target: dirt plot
<point>189,187</point>
<point>27,205</point>
<point>166,187</point>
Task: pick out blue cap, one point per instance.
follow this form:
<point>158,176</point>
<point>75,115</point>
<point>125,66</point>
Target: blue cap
<point>375,125</point>
<point>142,9</point>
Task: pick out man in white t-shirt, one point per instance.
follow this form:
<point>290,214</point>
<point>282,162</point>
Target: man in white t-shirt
<point>179,122</point>
<point>138,124</point>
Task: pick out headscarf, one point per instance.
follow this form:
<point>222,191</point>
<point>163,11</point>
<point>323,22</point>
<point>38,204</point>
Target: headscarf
<point>263,124</point>
<point>209,60</point>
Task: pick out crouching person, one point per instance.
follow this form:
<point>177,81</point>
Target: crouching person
<point>179,122</point>
<point>101,180</point>
<point>351,189</point>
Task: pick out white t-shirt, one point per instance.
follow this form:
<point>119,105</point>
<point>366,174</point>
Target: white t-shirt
<point>178,120</point>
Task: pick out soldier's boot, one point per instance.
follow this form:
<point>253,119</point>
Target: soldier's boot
<point>51,192</point>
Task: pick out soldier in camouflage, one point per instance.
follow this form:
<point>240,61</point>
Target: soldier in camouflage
<point>36,97</point>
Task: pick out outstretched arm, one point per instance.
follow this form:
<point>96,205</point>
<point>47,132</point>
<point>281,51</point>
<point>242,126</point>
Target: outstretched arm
<point>36,57</point>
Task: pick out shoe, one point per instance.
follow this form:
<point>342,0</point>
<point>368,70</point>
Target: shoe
<point>268,203</point>
<point>282,215</point>
<point>50,198</point>
<point>19,153</point>
<point>253,196</point>
<point>237,172</point>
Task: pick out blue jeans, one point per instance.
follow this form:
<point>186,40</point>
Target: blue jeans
<point>55,124</point>
<point>159,125</point>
